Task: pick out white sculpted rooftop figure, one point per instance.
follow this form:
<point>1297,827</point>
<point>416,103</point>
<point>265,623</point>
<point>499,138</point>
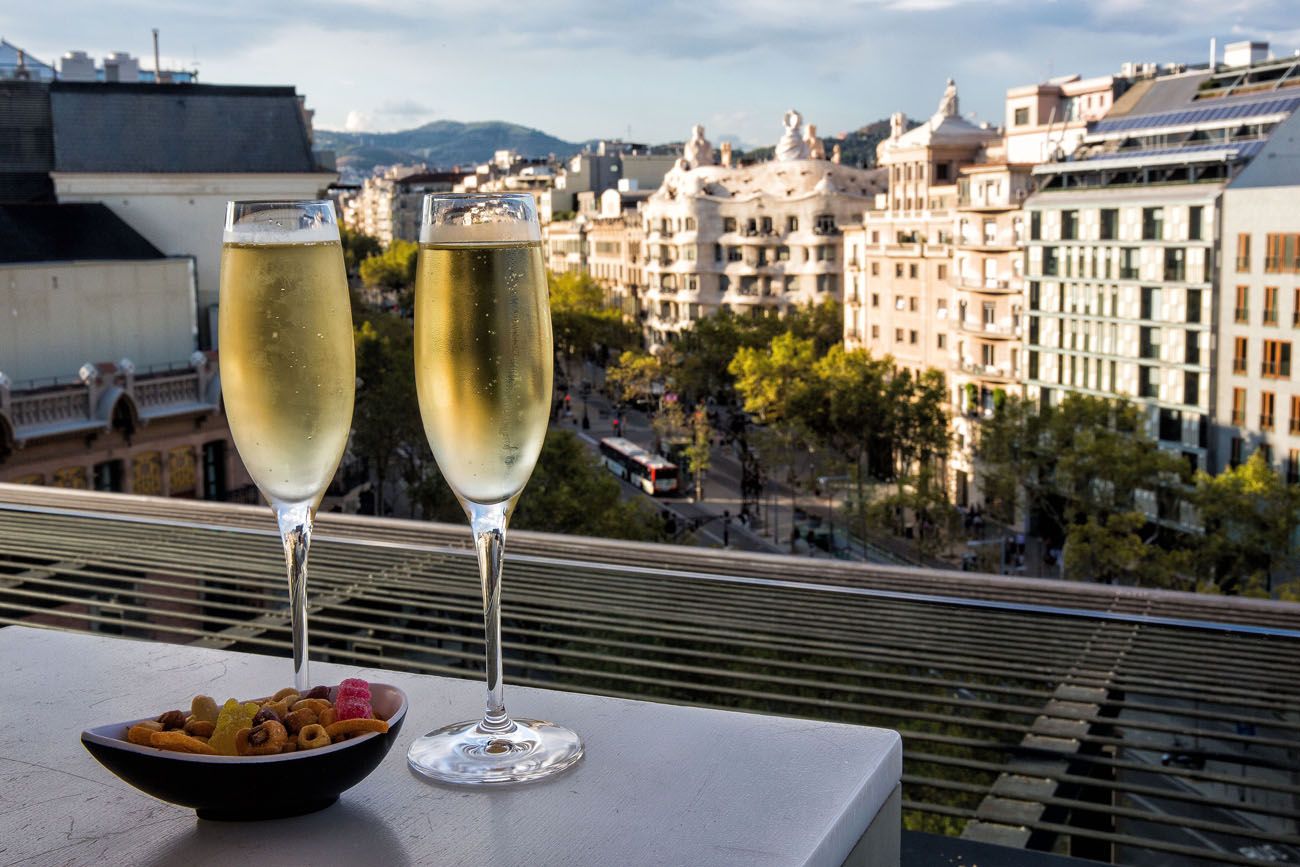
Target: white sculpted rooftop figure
<point>792,146</point>
<point>948,104</point>
<point>698,151</point>
<point>816,150</point>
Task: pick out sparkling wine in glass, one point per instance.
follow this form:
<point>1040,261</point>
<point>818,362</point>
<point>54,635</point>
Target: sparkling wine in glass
<point>483,367</point>
<point>288,368</point>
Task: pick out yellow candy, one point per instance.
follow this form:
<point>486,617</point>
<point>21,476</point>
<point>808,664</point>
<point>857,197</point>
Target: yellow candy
<point>230,720</point>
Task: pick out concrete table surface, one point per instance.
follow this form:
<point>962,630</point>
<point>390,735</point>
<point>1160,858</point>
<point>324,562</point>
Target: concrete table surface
<point>659,785</point>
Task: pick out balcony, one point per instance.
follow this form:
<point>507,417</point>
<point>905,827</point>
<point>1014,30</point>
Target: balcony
<point>1065,694</point>
<point>996,372</point>
<point>989,285</point>
<point>1002,329</point>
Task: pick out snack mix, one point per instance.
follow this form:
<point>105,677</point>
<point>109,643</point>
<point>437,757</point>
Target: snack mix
<point>282,723</point>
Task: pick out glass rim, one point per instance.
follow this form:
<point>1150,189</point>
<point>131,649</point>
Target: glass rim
<point>454,196</point>
<point>285,202</point>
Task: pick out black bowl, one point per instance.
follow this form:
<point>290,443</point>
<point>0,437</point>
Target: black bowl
<point>251,787</point>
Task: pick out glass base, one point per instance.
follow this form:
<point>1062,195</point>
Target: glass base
<point>464,754</point>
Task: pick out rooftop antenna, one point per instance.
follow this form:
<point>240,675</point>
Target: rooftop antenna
<point>157,67</point>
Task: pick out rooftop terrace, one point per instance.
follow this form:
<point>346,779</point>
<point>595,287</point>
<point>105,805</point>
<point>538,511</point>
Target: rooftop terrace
<point>1123,725</point>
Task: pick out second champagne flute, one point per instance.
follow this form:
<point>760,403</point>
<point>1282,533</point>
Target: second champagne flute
<point>288,369</point>
<point>483,367</point>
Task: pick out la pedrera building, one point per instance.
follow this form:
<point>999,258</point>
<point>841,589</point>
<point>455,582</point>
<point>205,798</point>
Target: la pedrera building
<point>754,239</point>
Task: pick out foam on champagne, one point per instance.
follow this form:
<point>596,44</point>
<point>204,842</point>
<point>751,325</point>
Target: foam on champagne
<point>488,234</point>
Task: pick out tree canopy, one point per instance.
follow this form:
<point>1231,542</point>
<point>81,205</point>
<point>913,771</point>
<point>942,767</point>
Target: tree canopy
<point>394,268</point>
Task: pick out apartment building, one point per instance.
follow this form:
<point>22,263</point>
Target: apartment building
<point>1126,249</point>
<point>752,239</point>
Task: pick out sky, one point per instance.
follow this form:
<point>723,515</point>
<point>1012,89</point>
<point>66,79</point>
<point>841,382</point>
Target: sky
<point>646,70</point>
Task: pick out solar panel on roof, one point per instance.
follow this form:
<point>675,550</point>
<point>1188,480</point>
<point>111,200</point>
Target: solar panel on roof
<point>1257,108</point>
<point>1243,150</point>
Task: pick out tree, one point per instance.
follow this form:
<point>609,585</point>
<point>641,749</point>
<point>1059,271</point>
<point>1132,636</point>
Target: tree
<point>699,454</point>
<point>392,269</point>
<point>779,386</point>
<point>357,247</point>
<point>1250,516</point>
<point>670,424</point>
<point>385,420</point>
<point>634,376</point>
<point>582,325</point>
<point>570,492</point>
<point>1112,550</point>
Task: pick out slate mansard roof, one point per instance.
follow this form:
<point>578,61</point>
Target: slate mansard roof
<point>68,233</point>
<point>178,128</point>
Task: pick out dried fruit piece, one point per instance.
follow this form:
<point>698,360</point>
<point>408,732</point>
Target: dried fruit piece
<point>263,740</point>
<point>142,732</point>
<point>200,728</point>
<point>266,712</point>
<point>172,719</point>
<point>317,692</point>
<point>233,717</point>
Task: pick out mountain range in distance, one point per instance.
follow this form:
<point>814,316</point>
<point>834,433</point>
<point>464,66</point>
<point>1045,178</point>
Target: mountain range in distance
<point>448,143</point>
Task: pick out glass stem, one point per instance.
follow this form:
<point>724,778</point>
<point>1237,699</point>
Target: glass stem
<point>488,523</point>
<point>295,533</point>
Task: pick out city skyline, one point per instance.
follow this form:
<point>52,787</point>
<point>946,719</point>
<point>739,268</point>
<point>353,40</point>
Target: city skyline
<point>735,67</point>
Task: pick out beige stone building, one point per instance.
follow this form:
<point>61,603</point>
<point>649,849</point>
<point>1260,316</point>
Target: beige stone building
<point>900,257</point>
<point>753,239</point>
<point>615,245</point>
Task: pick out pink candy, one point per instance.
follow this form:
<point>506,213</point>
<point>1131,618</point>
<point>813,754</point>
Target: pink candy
<point>353,700</point>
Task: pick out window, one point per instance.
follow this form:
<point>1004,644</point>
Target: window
<point>728,224</point>
<point>792,224</point>
<point>1069,226</point>
<point>912,337</point>
<point>1153,224</point>
<point>875,269</point>
<point>1022,117</point>
<point>1234,453</point>
<point>941,171</point>
<point>1109,224</point>
<point>1033,365</point>
<point>1295,414</point>
<point>942,272</point>
<point>1175,264</point>
<point>875,299</point>
<point>1192,347</point>
<point>1035,225</point>
<point>1193,305</point>
<point>1241,313</point>
<point>717,252</point>
<point>898,335</point>
<point>900,303</point>
<point>108,476</point>
<point>824,224</point>
<point>1267,402</point>
<point>875,332</point>
<point>1146,382</point>
<point>1243,253</point>
<point>735,254</point>
<point>1191,388</point>
<point>1239,406</point>
<point>1151,302</point>
<point>990,310</point>
<point>766,225</point>
<point>1033,329</point>
<point>1293,467</point>
<point>690,224</point>
<point>1195,214</point>
<point>1171,425</point>
<point>1282,254</point>
<point>988,354</point>
<point>1239,355</point>
<point>941,341</point>
<point>898,270</point>
<point>1051,263</point>
<point>1128,263</point>
<point>783,255</point>
<point>1150,342</point>
<point>1033,295</point>
<point>1276,363</point>
<point>911,271</point>
<point>1270,305</point>
<point>913,304</point>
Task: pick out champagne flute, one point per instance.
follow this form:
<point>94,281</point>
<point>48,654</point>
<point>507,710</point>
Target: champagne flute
<point>288,369</point>
<point>483,367</point>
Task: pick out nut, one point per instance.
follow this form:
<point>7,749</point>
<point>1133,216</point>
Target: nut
<point>281,708</point>
<point>297,720</point>
<point>328,716</point>
<point>204,707</point>
<point>287,691</point>
<point>200,728</point>
<point>172,719</point>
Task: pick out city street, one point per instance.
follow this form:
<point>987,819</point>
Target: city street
<point>719,511</point>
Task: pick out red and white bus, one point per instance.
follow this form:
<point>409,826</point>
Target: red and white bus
<point>630,462</point>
